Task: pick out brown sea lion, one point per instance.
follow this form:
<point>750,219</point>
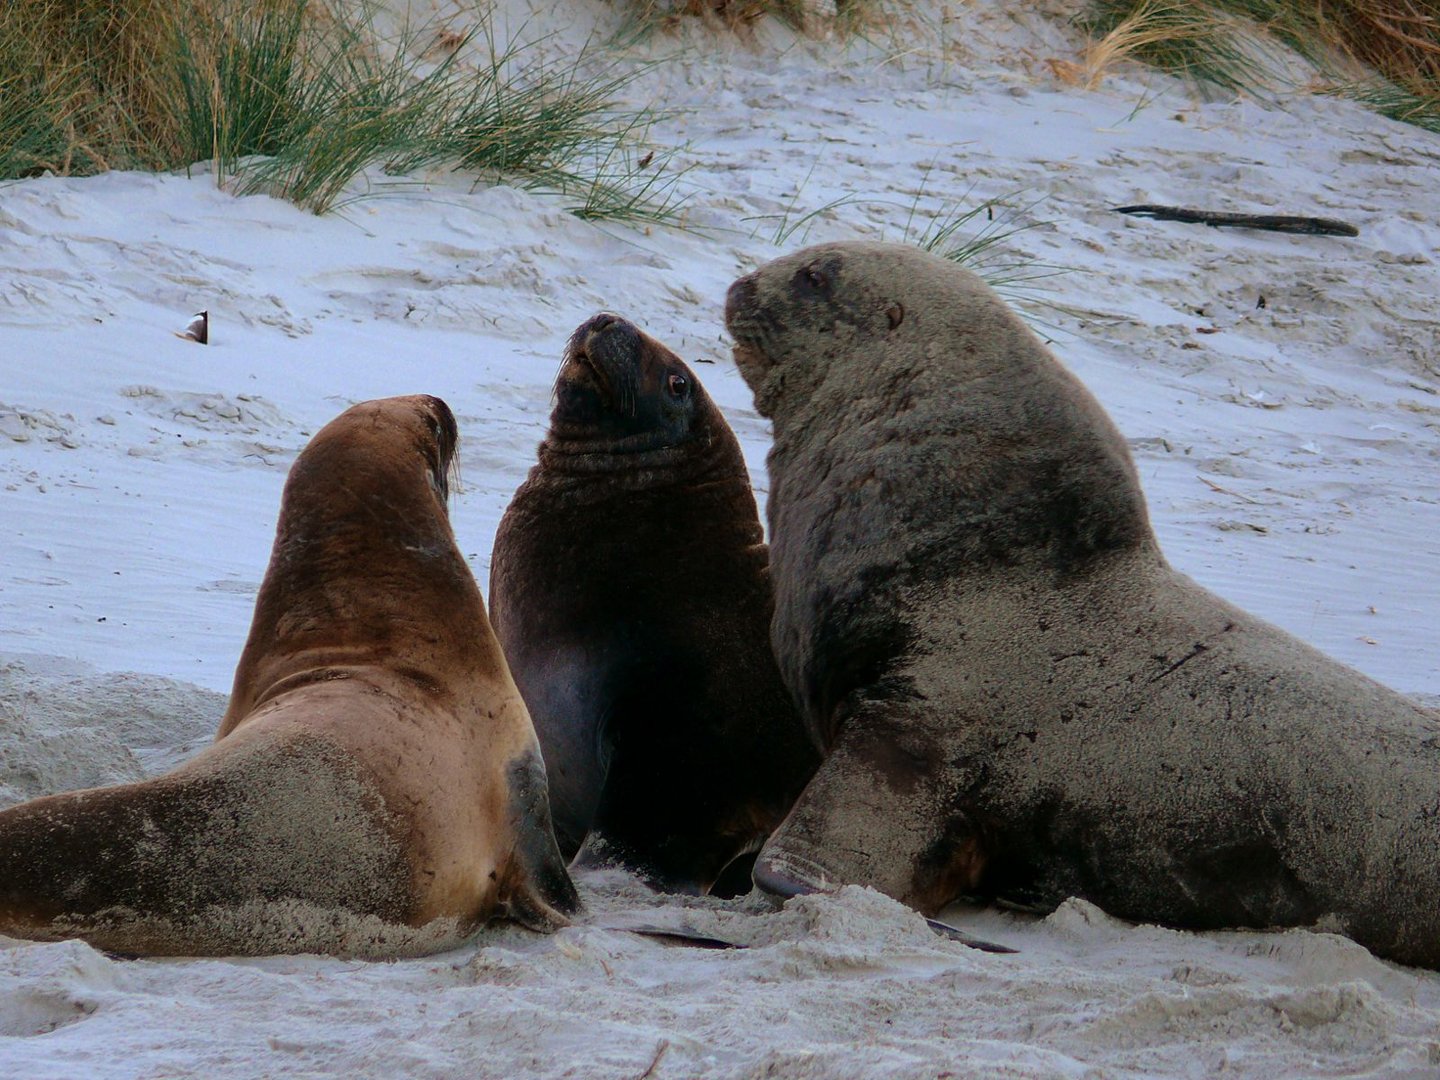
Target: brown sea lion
<point>1019,696</point>
<point>629,588</point>
<point>375,788</point>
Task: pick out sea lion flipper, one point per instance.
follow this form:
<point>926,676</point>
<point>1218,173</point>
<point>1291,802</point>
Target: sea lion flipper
<point>881,810</point>
<point>685,936</point>
<point>541,895</point>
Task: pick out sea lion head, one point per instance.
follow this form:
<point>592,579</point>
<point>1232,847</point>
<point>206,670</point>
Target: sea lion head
<point>363,552</point>
<point>803,320</point>
<point>901,379</point>
<point>621,387</point>
<point>401,436</point>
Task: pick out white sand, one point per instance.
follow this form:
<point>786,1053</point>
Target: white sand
<point>1290,459</point>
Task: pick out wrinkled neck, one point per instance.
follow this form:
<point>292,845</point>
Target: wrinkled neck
<point>569,458</point>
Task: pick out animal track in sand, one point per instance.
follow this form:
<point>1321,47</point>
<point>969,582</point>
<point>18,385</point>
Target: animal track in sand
<point>243,414</point>
<point>20,424</point>
<point>26,1013</point>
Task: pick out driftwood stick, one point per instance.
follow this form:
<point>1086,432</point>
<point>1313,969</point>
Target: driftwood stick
<point>1287,223</point>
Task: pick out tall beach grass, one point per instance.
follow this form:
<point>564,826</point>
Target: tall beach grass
<point>300,98</point>
<point>1383,53</point>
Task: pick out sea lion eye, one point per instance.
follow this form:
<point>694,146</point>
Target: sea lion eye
<point>813,279</point>
<point>678,385</point>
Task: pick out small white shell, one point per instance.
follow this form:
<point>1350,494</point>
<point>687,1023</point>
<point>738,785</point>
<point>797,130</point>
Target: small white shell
<point>198,328</point>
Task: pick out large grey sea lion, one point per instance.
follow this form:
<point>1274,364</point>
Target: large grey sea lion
<point>630,589</point>
<point>1019,696</point>
<point>375,788</point>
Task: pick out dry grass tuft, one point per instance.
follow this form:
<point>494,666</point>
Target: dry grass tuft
<point>1385,53</point>
<point>845,18</point>
<point>298,98</point>
<point>1398,38</point>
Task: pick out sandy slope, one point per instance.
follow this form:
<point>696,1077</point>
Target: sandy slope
<point>1289,453</point>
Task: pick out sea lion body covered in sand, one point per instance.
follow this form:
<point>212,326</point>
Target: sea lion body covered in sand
<point>630,588</point>
<point>375,788</point>
<point>1019,695</point>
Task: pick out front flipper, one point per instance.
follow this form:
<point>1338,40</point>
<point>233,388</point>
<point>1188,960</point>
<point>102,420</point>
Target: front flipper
<point>887,809</point>
<point>538,892</point>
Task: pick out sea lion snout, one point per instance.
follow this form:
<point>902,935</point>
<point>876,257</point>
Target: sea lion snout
<point>618,382</point>
<point>740,298</point>
<point>606,338</point>
<point>605,350</point>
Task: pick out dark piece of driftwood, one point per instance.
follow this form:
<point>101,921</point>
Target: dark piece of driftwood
<point>685,934</point>
<point>1287,223</point>
<point>681,935</point>
<point>954,933</point>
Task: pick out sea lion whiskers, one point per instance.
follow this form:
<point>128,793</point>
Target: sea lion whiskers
<point>443,453</point>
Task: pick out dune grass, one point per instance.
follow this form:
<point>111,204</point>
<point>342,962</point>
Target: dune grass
<point>844,18</point>
<point>298,98</point>
<point>975,234</point>
<point>1383,53</point>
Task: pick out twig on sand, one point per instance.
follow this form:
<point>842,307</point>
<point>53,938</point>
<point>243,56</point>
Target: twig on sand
<point>655,1061</point>
<point>1226,491</point>
<point>1288,223</point>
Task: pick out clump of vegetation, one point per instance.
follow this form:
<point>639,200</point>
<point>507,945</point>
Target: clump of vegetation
<point>297,98</point>
<point>977,236</point>
<point>1384,53</point>
<point>845,17</point>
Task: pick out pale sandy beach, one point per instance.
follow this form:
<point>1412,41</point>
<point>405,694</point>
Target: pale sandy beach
<point>1289,450</point>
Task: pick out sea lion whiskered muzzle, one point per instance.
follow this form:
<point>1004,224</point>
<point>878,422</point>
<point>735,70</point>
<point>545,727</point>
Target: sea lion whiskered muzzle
<point>442,454</point>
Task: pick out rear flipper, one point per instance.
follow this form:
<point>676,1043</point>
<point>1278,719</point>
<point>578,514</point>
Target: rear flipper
<point>678,832</point>
<point>885,810</point>
<point>207,861</point>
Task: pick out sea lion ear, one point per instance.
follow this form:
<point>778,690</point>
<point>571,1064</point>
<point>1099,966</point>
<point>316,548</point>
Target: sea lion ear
<point>895,313</point>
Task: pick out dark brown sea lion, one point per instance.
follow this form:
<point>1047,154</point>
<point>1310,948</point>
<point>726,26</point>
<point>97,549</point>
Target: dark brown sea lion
<point>1019,696</point>
<point>375,788</point>
<point>629,588</point>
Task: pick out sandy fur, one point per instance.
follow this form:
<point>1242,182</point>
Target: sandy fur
<point>375,788</point>
<point>1020,696</point>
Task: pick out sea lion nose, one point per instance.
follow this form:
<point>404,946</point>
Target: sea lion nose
<point>598,324</point>
<point>608,337</point>
<point>740,296</point>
